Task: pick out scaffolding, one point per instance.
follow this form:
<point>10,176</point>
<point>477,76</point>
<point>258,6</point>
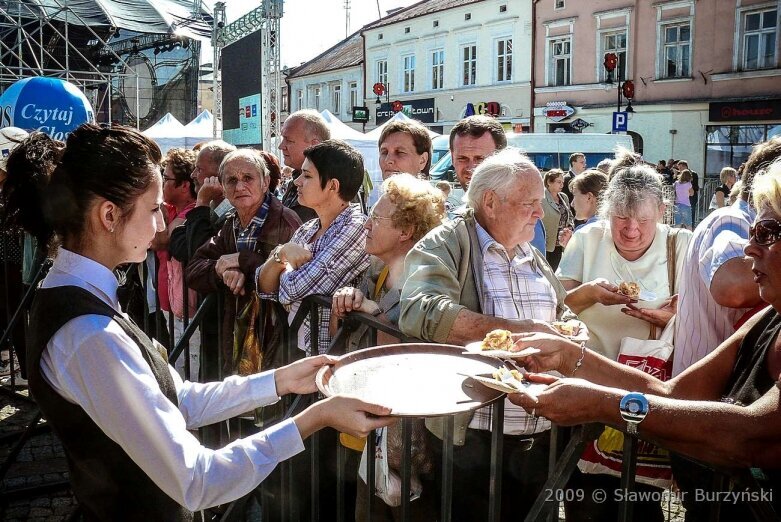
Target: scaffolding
<point>266,19</point>
<point>52,39</point>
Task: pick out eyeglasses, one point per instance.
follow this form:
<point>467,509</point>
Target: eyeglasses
<point>167,178</point>
<point>375,219</point>
<point>765,232</point>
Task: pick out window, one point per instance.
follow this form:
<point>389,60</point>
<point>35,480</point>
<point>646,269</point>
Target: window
<point>284,99</point>
<point>560,61</point>
<point>406,30</point>
<point>676,50</point>
<point>614,42</point>
<point>731,145</point>
<point>759,39</point>
<point>436,23</point>
<point>379,36</point>
<point>468,16</point>
<point>502,8</point>
<point>317,98</point>
<point>469,68</point>
<point>437,69</point>
<point>299,99</point>
<point>504,60</point>
<point>408,84</point>
<point>336,98</point>
<point>382,72</point>
<point>353,96</point>
<point>559,4</point>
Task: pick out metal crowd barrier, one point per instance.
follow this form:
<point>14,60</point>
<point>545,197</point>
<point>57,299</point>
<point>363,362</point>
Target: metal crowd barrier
<point>561,463</point>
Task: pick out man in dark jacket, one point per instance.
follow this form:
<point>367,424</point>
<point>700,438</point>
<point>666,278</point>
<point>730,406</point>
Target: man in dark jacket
<point>301,130</point>
<point>201,224</point>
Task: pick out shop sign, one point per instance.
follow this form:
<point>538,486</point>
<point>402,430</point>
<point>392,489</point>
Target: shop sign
<point>360,114</point>
<point>486,108</point>
<point>756,110</point>
<point>421,110</point>
<point>557,111</point>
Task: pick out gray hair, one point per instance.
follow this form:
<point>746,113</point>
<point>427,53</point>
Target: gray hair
<point>315,125</point>
<point>631,187</point>
<point>216,151</point>
<point>250,155</point>
<point>498,173</point>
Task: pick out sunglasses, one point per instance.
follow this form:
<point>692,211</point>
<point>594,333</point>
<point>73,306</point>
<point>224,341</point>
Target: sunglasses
<point>765,232</point>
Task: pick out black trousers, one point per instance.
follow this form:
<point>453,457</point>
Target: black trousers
<point>554,258</point>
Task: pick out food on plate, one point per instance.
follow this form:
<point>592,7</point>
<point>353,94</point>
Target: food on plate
<point>497,340</point>
<point>568,328</point>
<point>502,373</point>
<point>629,289</point>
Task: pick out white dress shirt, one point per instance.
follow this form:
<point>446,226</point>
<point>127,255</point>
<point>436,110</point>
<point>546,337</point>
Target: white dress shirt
<point>92,362</point>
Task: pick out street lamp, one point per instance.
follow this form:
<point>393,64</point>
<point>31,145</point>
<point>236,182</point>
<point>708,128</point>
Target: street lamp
<point>625,88</point>
<point>380,89</point>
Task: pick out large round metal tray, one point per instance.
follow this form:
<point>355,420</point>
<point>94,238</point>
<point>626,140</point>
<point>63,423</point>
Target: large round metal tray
<point>414,380</point>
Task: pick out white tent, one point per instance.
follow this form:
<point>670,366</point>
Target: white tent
<point>168,133</point>
<point>399,116</point>
<point>201,129</point>
<point>339,129</point>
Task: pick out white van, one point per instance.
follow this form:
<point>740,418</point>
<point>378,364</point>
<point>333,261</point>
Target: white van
<point>549,151</point>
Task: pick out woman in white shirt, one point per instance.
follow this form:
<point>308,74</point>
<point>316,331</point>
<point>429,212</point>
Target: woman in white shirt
<point>628,245</point>
<point>121,411</point>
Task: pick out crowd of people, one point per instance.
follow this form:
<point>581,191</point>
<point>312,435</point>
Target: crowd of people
<point>695,345</point>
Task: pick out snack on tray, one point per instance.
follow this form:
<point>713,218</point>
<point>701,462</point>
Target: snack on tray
<point>497,340</point>
<point>629,289</point>
<point>504,371</point>
<point>568,328</point>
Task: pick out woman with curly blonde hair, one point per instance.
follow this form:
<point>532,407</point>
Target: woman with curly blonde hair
<point>408,209</point>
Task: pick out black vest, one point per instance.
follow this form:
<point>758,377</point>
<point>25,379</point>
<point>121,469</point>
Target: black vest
<point>107,483</point>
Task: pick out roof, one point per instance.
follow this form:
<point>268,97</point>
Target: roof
<point>420,9</point>
<point>347,53</point>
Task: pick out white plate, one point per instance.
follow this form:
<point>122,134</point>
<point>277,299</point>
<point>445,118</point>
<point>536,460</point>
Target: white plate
<point>527,388</point>
<point>476,347</point>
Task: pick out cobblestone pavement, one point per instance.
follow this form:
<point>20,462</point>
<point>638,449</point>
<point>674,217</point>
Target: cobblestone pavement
<point>41,462</point>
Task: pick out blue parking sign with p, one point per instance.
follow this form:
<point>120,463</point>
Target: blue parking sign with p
<point>620,121</point>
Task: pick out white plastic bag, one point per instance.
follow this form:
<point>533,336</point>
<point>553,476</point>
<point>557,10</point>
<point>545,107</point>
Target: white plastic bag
<point>387,483</point>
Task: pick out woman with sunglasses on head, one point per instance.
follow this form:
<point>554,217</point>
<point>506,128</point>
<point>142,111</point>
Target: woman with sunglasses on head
<point>724,410</point>
<point>122,413</point>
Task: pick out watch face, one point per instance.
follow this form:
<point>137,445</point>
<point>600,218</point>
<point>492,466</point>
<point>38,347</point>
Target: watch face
<point>634,407</point>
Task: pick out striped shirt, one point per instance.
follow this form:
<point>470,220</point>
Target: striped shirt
<point>702,324</point>
<point>513,289</point>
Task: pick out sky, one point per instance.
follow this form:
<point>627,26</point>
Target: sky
<point>309,27</point>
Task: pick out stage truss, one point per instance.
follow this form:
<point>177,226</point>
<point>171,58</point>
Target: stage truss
<point>266,19</point>
<point>58,43</point>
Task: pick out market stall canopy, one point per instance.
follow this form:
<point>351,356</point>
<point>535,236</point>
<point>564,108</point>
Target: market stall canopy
<point>399,116</point>
<point>340,130</point>
<point>201,129</point>
<point>142,16</point>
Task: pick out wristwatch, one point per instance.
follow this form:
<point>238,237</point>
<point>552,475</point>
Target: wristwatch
<point>275,255</point>
<point>633,408</point>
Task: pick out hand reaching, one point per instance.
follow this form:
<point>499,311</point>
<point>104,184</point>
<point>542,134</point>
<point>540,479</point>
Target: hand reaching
<point>658,317</point>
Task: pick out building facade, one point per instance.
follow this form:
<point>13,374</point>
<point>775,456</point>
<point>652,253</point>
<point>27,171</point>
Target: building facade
<point>333,81</point>
<point>705,74</point>
<point>446,59</point>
